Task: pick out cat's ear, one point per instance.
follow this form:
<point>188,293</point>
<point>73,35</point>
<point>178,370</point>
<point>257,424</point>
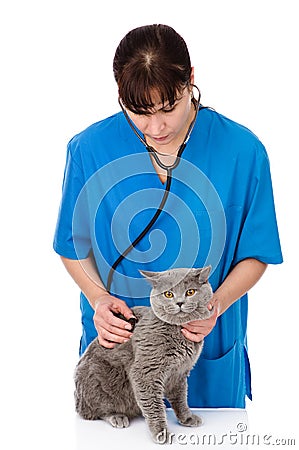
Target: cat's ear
<point>152,277</point>
<point>204,274</point>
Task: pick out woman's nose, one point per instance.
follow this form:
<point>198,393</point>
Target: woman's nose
<point>155,124</point>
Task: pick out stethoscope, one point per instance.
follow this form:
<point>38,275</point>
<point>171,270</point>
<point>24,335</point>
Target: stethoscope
<point>167,168</point>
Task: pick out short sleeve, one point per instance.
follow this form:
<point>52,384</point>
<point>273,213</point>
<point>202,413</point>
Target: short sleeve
<point>259,237</point>
<point>73,183</point>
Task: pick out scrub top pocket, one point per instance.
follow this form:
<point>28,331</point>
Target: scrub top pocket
<point>219,383</point>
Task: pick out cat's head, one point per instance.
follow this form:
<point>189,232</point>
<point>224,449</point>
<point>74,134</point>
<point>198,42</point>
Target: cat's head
<point>180,295</point>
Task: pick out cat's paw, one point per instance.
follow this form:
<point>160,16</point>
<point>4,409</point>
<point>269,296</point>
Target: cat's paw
<point>118,420</point>
<point>192,421</point>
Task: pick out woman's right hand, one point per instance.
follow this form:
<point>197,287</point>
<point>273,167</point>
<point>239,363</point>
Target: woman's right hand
<point>111,329</point>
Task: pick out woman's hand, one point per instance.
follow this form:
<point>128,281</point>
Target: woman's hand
<point>242,277</point>
<point>197,330</point>
<point>111,329</point>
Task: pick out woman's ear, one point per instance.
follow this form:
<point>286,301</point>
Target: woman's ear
<point>192,75</point>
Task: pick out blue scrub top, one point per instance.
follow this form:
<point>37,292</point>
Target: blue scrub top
<point>220,211</point>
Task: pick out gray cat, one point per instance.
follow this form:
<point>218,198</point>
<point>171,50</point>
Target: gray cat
<point>133,378</point>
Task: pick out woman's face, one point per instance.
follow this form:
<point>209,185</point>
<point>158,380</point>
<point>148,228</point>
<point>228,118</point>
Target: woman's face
<point>165,126</point>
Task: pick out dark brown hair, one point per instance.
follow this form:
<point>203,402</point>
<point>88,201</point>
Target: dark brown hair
<point>151,59</point>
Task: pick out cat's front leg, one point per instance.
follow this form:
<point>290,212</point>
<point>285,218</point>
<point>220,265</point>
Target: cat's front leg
<point>148,389</point>
<point>176,393</point>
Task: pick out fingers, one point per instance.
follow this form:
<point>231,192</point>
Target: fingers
<point>123,309</point>
<point>105,343</point>
<point>109,335</point>
<point>197,330</point>
<point>194,337</point>
<point>113,322</point>
<point>111,329</point>
<point>109,339</point>
<point>107,303</point>
<point>197,325</point>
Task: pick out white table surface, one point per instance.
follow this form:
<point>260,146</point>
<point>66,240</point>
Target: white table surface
<point>222,428</point>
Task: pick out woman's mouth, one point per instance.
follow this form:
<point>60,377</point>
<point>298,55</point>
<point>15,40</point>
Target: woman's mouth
<point>160,139</point>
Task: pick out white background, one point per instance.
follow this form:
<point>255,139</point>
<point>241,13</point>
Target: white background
<point>56,79</point>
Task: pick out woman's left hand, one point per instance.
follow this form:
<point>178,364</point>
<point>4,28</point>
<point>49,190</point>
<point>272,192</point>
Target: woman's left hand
<point>197,330</point>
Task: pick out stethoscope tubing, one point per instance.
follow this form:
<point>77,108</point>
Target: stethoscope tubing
<point>143,232</point>
<point>169,170</point>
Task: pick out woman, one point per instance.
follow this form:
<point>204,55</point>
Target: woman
<point>219,210</point>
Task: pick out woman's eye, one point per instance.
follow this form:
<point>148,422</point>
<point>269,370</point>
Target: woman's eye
<point>190,292</point>
<point>168,294</point>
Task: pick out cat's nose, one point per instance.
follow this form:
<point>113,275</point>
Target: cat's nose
<point>179,304</point>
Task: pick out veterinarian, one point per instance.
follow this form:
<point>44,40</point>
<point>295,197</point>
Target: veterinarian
<point>204,178</point>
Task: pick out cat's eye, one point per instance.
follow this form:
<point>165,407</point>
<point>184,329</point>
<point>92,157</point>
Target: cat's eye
<point>190,292</point>
<point>168,294</point>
